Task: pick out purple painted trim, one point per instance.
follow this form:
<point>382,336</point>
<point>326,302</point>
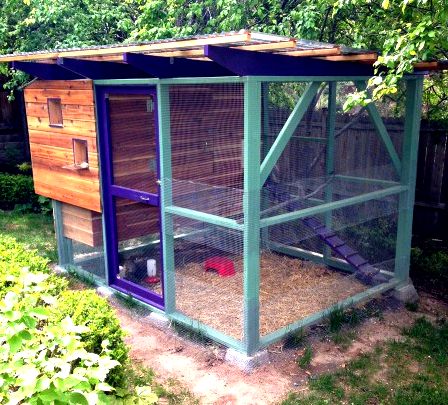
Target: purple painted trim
<point>110,191</point>
<point>96,70</point>
<point>45,71</point>
<point>128,287</point>
<point>249,63</point>
<point>130,194</point>
<point>164,67</point>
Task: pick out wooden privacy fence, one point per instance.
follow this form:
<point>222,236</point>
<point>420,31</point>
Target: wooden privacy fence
<point>431,200</point>
<point>358,147</point>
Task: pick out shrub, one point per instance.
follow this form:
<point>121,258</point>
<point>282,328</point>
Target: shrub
<point>44,362</point>
<point>16,189</point>
<point>87,308</point>
<point>14,256</point>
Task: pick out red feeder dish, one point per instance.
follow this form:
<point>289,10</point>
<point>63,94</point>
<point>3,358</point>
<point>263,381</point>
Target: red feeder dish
<point>222,265</point>
<point>152,280</point>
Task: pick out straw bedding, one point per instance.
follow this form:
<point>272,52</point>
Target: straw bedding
<point>290,289</point>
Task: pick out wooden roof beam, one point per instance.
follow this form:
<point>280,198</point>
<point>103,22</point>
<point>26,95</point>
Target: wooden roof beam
<point>157,46</point>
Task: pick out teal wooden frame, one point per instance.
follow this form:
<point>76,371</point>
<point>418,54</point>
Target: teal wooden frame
<point>381,129</point>
<point>251,209</point>
<point>255,173</point>
<point>288,130</point>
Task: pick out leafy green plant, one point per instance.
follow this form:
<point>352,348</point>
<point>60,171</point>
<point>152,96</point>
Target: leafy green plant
<point>14,256</point>
<point>304,360</point>
<point>16,189</point>
<point>429,269</point>
<point>89,309</point>
<point>25,168</point>
<point>44,362</point>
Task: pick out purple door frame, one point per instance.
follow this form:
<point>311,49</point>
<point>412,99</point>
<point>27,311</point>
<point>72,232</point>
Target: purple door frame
<point>110,191</point>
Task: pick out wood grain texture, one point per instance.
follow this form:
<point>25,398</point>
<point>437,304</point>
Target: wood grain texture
<point>52,147</point>
<point>82,225</point>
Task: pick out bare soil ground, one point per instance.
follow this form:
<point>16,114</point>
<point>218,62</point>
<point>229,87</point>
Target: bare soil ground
<point>201,368</point>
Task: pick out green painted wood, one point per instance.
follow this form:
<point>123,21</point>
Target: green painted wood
<point>363,180</point>
<point>204,217</point>
<point>106,253</point>
<point>346,202</point>
<point>329,158</point>
<point>265,147</point>
<point>318,316</point>
<point>414,89</point>
<point>166,198</point>
<point>287,131</point>
<point>311,256</point>
<point>251,209</point>
<point>381,129</point>
<point>207,331</point>
<point>64,245</point>
<point>328,78</point>
<point>180,80</point>
<point>312,139</point>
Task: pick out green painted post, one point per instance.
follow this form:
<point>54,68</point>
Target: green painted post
<point>167,237</point>
<point>265,148</point>
<point>414,88</point>
<point>329,161</point>
<point>65,254</point>
<point>251,208</point>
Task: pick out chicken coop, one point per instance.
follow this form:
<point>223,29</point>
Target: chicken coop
<point>219,179</point>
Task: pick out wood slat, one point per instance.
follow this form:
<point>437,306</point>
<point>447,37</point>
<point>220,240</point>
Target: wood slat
<point>362,57</point>
<point>314,52</point>
<point>67,193</point>
<point>82,84</point>
<point>81,97</point>
<point>69,111</point>
<point>168,45</point>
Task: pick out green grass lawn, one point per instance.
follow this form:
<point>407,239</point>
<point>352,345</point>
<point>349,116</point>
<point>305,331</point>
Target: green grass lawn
<point>409,372</point>
<point>36,231</point>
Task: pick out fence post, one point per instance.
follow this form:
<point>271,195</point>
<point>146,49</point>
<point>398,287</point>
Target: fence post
<point>414,87</point>
<point>65,254</point>
<point>251,208</point>
<point>329,159</point>
<point>167,230</point>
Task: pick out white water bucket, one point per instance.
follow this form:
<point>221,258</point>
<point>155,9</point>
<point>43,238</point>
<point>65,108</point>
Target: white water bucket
<point>151,267</point>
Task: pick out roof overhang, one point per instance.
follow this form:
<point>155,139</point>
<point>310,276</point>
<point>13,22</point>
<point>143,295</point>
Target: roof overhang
<point>242,53</point>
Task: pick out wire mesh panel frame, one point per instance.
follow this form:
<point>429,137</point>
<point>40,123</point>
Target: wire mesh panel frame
<point>405,190</point>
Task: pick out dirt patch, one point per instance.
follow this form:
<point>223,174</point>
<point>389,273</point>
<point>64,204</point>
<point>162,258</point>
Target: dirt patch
<point>212,381</point>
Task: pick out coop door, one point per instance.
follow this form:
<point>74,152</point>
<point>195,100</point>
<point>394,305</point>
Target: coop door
<point>132,194</point>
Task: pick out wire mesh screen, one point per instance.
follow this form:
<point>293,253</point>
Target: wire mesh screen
<point>206,144</point>
<point>317,261</point>
<point>89,259</point>
<point>209,274</point>
<point>83,240</point>
<point>139,248</point>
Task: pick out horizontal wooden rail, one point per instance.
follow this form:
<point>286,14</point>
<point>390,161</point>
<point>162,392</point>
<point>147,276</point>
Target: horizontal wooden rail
<point>346,202</point>
<point>204,217</point>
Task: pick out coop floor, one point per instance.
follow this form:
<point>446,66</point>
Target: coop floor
<point>290,289</point>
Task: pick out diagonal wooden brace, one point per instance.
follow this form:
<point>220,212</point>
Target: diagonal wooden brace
<point>287,131</point>
<point>381,129</point>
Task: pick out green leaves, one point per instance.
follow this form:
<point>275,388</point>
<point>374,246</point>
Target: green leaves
<point>43,359</point>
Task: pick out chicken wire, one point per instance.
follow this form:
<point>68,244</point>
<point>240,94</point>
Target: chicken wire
<point>88,259</point>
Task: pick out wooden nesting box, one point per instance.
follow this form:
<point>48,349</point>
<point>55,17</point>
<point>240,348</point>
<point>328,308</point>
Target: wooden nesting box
<point>63,144</point>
